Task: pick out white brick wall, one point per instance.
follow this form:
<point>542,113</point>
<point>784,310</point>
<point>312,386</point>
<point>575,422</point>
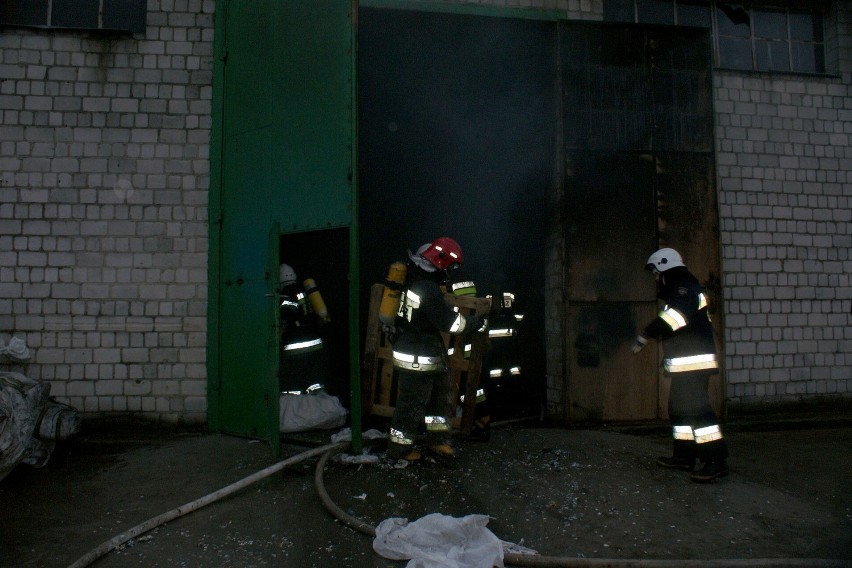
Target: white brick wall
<point>104,175</point>
<point>784,166</point>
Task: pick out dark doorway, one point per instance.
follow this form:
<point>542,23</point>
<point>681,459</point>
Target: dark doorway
<point>324,257</point>
<point>458,137</point>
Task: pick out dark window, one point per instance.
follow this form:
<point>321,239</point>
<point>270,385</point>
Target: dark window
<point>774,39</point>
<point>804,27</point>
<point>771,48</point>
<point>733,20</point>
<point>735,53</point>
<point>746,36</point>
<point>118,15</point>
<point>806,43</point>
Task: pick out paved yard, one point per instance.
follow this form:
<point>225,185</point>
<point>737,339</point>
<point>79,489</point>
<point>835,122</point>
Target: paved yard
<point>592,493</point>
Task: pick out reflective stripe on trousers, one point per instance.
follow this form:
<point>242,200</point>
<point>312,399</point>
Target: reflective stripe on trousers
<point>399,437</point>
<point>437,424</point>
<point>692,363</point>
<point>433,424</point>
<point>699,435</point>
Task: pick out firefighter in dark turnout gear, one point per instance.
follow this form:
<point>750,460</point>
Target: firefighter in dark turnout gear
<point>502,367</point>
<point>463,286</point>
<point>419,353</point>
<point>303,363</point>
<point>689,358</point>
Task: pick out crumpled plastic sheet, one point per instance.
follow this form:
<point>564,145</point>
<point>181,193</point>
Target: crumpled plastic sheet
<point>301,412</point>
<point>17,349</point>
<point>345,435</point>
<point>21,401</point>
<point>360,459</point>
<point>513,548</point>
<point>439,541</point>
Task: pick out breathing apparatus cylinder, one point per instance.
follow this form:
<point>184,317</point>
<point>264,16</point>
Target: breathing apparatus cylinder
<point>392,293</point>
<point>315,299</point>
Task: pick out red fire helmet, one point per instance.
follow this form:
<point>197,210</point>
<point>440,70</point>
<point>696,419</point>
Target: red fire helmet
<point>443,253</point>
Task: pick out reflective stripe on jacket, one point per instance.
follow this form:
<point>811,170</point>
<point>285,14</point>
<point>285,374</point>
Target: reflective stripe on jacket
<point>685,330</point>
<point>424,314</point>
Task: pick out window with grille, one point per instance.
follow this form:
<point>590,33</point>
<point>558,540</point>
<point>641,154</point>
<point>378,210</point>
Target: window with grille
<point>782,38</point>
<point>108,15</point>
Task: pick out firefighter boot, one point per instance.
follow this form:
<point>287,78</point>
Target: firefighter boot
<point>400,452</point>
<point>412,456</point>
<point>676,462</point>
<point>409,456</point>
<point>710,471</point>
<point>442,450</point>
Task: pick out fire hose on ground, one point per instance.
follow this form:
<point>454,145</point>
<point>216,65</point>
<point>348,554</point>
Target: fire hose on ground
<point>510,559</point>
<point>154,522</point>
<point>534,560</point>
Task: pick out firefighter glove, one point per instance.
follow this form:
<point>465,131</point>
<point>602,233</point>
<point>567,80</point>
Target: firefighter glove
<point>639,344</point>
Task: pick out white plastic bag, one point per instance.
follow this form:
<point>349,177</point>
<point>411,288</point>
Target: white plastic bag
<point>345,435</point>
<point>310,411</point>
<point>439,541</point>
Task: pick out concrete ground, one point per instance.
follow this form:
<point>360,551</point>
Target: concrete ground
<point>567,493</point>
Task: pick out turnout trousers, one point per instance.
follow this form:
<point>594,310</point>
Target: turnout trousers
<point>423,405</point>
<point>696,430</point>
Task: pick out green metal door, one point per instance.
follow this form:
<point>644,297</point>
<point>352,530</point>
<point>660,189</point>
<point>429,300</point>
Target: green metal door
<point>282,156</point>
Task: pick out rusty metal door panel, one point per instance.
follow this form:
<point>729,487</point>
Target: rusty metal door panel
<point>607,381</point>
<point>680,76</point>
<point>687,211</point>
<point>606,93</point>
<point>610,225</point>
<point>638,175</point>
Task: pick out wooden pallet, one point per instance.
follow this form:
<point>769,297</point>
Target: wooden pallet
<point>379,382</point>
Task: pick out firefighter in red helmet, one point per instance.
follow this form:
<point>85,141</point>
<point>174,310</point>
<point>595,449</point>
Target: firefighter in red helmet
<point>689,352</point>
<point>419,352</point>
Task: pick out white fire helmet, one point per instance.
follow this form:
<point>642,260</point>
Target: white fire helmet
<point>664,259</point>
<point>286,275</point>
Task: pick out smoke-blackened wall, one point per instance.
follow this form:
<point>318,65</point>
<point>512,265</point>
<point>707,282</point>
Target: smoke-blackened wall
<point>458,122</point>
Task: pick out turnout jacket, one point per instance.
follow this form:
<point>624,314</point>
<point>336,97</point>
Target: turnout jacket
<point>683,325</point>
<point>423,315</point>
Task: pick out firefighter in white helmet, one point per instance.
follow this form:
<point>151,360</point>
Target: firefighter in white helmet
<point>419,352</point>
<point>690,358</point>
